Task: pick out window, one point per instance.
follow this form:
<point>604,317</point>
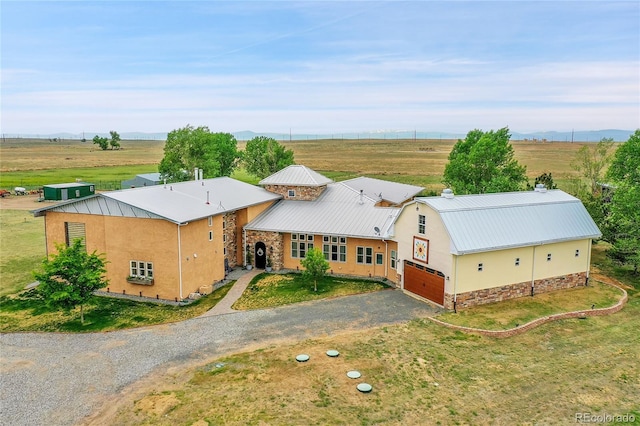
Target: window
<point>141,269</point>
<point>224,223</point>
<point>210,235</point>
<point>379,259</point>
<point>74,231</point>
<point>77,193</point>
<point>422,221</point>
<point>224,238</point>
<point>517,261</point>
<point>577,253</point>
<point>210,220</point>
<point>292,193</point>
<point>300,244</point>
<point>480,267</point>
<point>92,188</point>
<point>394,259</point>
<point>334,248</point>
<point>548,257</point>
<point>364,255</point>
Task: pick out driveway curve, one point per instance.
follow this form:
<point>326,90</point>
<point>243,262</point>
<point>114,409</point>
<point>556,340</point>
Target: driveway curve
<point>60,379</point>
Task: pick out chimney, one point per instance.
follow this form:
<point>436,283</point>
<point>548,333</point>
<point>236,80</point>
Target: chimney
<point>540,187</point>
<point>195,174</point>
<point>201,173</point>
<point>447,193</point>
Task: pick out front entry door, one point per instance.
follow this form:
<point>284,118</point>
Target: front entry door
<point>261,255</point>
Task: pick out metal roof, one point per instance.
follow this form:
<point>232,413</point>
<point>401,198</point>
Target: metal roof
<point>378,189</point>
<point>67,185</point>
<point>339,210</point>
<point>296,175</point>
<point>177,202</point>
<point>485,222</point>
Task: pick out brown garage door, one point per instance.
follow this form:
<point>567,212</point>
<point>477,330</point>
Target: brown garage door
<point>424,282</point>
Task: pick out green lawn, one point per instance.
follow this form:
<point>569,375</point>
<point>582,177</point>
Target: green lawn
<point>28,312</point>
<point>22,248</point>
<point>270,290</point>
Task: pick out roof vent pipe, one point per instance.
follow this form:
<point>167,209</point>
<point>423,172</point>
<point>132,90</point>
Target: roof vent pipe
<point>165,184</point>
<point>540,187</point>
<point>207,198</point>
<point>361,196</point>
<point>447,193</point>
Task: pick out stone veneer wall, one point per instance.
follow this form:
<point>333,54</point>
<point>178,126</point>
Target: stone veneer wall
<point>513,291</point>
<point>273,240</point>
<point>304,193</point>
<point>230,244</point>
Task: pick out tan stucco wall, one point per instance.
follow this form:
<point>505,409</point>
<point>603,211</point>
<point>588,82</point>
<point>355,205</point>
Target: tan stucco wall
<point>350,267</point>
<point>123,239</point>
<point>406,227</point>
<point>499,266</point>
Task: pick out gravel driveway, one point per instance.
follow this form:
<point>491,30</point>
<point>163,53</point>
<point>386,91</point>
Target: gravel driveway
<point>59,379</point>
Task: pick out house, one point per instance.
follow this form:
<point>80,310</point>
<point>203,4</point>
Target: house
<point>163,241</point>
<point>68,191</point>
<point>459,251</point>
<point>144,179</point>
<point>168,241</point>
<point>347,220</point>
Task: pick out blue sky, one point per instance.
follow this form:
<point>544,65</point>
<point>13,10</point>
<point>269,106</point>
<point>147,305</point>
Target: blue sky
<point>319,67</point>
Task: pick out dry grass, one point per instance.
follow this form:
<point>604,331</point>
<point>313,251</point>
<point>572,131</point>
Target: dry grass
<point>420,373</point>
<point>511,313</point>
<point>419,162</point>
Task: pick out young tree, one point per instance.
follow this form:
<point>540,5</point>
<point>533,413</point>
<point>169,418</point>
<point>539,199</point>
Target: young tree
<point>187,148</point>
<point>315,266</point>
<point>70,277</point>
<point>264,156</point>
<point>484,162</point>
<point>591,161</point>
<point>103,143</point>
<point>115,140</point>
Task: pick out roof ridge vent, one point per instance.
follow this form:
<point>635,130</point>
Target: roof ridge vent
<point>540,187</point>
<point>447,193</point>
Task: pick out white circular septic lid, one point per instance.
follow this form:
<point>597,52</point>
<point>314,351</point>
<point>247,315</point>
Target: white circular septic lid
<point>333,353</point>
<point>302,358</point>
<point>364,387</point>
<point>353,374</point>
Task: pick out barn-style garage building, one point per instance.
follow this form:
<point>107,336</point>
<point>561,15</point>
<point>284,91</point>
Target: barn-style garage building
<point>460,251</point>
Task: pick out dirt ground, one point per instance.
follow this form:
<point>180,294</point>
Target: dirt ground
<point>22,202</point>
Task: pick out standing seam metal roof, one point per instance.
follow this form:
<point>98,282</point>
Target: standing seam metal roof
<point>340,210</point>
<point>178,202</point>
<point>296,175</point>
<point>487,222</point>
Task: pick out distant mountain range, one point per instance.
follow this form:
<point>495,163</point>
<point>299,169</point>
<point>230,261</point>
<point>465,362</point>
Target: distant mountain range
<point>551,136</point>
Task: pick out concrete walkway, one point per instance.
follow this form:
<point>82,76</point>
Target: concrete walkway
<point>244,277</point>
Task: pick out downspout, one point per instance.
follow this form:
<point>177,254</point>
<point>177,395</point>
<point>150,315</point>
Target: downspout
<point>586,283</point>
<point>386,258</point>
<point>533,272</point>
<point>244,246</point>
<point>455,286</point>
<point>180,261</point>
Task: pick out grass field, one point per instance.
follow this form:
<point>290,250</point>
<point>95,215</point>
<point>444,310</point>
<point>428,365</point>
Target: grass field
<point>21,249</point>
<point>35,162</point>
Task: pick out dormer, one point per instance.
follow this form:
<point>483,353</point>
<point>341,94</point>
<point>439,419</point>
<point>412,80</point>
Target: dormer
<point>296,182</point>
